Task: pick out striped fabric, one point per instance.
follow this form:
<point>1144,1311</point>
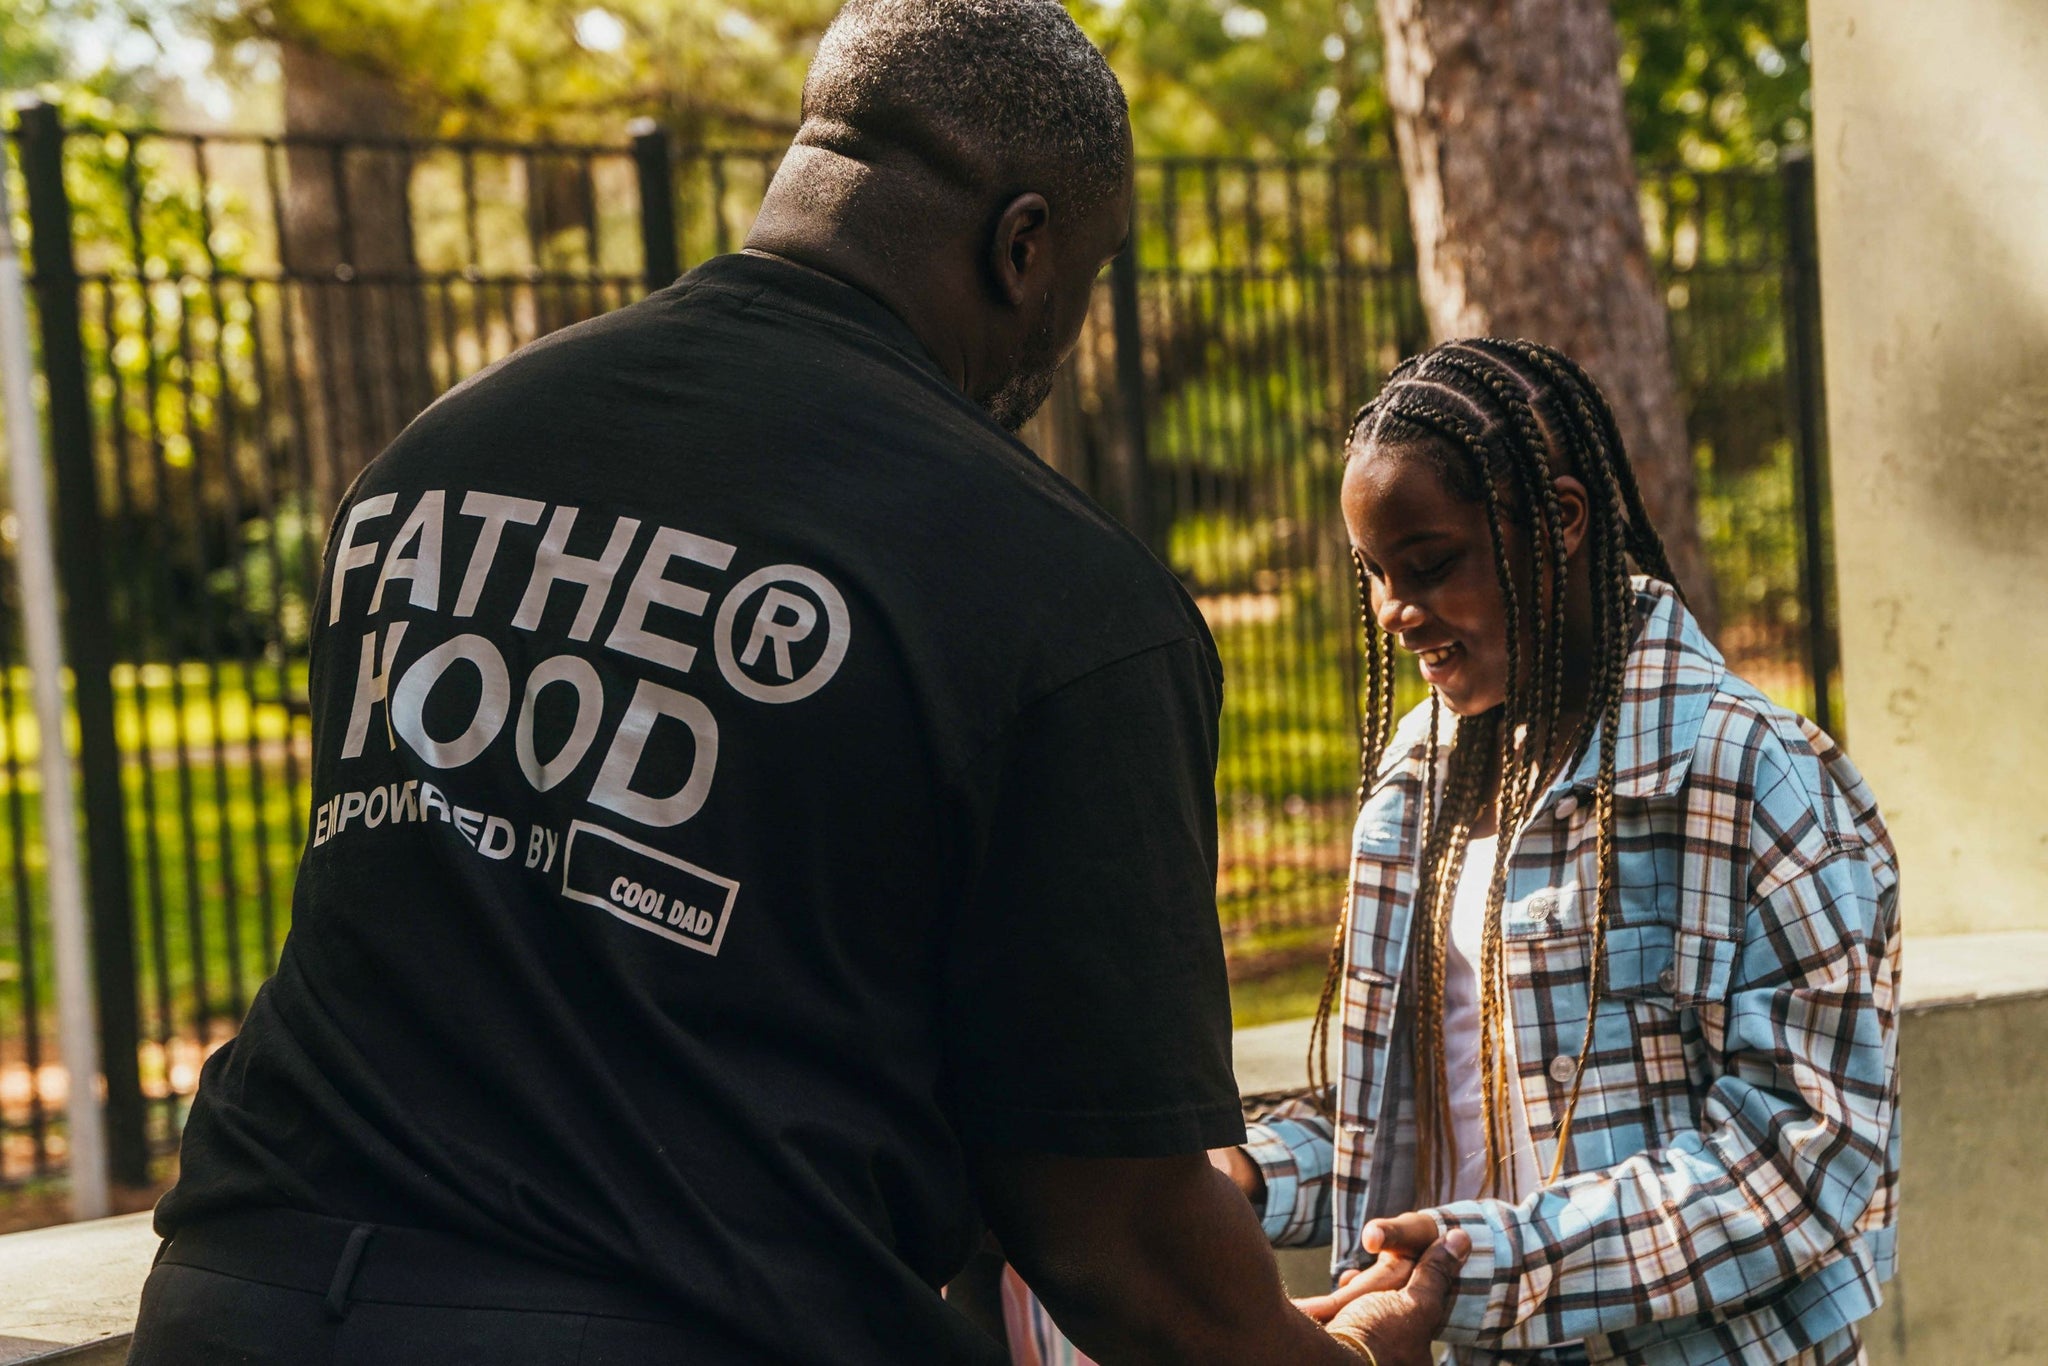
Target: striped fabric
<point>1034,1340</point>
<point>1730,1185</point>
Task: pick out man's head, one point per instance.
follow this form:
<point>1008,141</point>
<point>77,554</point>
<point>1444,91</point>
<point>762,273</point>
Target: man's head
<point>969,162</point>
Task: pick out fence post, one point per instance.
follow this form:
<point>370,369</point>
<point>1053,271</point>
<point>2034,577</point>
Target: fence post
<point>656,172</point>
<point>88,639</point>
<point>1809,402</point>
<point>1130,388</point>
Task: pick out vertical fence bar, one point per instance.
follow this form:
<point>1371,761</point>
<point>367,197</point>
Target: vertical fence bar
<point>1130,387</point>
<point>89,640</point>
<point>655,169</point>
<point>1801,309</point>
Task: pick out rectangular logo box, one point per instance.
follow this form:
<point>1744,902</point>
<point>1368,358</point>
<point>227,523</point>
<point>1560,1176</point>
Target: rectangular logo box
<point>644,887</point>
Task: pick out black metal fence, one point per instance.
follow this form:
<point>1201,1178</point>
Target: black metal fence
<point>231,326</point>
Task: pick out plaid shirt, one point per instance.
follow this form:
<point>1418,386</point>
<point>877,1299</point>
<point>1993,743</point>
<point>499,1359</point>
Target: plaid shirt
<point>1730,1186</point>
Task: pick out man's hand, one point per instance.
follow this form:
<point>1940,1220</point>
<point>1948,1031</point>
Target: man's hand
<point>1397,1326</point>
<point>1390,1272</point>
<point>1399,1242</point>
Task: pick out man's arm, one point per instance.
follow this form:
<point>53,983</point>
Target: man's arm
<point>1160,1260</point>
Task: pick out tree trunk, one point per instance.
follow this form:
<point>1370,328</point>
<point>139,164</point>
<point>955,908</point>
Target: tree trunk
<point>347,222</point>
<point>1522,188</point>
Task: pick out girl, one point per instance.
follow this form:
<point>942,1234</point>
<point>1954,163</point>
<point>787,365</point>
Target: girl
<point>1617,970</point>
<point>1616,974</point>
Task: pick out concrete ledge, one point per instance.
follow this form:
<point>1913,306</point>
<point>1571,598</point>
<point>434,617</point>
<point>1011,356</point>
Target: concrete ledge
<point>1948,970</point>
<point>71,1291</point>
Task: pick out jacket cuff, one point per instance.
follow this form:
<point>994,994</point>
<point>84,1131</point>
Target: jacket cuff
<point>1481,1305</point>
<point>1294,1161</point>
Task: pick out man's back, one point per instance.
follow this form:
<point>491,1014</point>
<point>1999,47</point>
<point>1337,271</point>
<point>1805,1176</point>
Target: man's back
<point>729,745</point>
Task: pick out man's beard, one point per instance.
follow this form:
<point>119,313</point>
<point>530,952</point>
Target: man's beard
<point>1020,396</point>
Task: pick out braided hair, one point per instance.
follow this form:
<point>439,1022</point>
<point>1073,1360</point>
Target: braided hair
<point>1500,421</point>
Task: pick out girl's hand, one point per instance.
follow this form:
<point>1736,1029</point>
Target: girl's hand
<point>1399,1242</point>
<point>1390,1272</point>
<point>1242,1171</point>
<point>1406,1235</point>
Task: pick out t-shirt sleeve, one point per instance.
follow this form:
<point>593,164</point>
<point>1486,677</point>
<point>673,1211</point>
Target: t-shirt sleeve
<point>1087,1004</point>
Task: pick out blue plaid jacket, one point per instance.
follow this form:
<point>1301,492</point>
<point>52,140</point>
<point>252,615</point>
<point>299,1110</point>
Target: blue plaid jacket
<point>1729,1193</point>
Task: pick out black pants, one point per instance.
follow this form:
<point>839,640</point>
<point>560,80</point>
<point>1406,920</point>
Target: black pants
<point>276,1288</point>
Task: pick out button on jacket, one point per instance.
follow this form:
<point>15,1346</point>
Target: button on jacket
<point>1729,1188</point>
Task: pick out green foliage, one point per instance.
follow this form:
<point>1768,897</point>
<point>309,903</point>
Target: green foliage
<point>1715,83</point>
<point>268,591</point>
<point>1245,76</point>
<point>560,68</point>
<point>29,53</point>
<point>1709,83</point>
<point>171,354</point>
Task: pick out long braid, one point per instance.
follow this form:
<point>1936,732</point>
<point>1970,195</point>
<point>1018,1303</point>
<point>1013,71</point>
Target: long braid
<point>1606,468</point>
<point>1376,732</point>
<point>1512,784</point>
<point>1619,621</point>
<point>1523,765</point>
<point>1376,729</point>
<point>1443,860</point>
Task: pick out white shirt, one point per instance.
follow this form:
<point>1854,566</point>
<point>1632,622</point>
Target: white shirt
<point>1461,1043</point>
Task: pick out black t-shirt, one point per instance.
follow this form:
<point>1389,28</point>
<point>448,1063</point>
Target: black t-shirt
<point>745,778</point>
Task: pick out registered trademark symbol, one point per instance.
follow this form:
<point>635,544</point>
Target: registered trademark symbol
<point>758,633</point>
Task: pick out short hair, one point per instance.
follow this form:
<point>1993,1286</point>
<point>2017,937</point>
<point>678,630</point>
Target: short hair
<point>992,95</point>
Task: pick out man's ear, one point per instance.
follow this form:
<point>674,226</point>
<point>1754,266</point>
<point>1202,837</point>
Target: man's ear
<point>1575,512</point>
<point>1020,254</point>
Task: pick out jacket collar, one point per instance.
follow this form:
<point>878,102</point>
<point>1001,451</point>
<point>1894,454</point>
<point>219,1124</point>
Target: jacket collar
<point>1668,683</point>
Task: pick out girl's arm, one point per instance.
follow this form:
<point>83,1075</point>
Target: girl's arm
<point>1796,1155</point>
<point>1290,1147</point>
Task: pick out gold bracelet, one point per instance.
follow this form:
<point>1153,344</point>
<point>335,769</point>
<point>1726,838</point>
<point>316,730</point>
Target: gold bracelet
<point>1356,1344</point>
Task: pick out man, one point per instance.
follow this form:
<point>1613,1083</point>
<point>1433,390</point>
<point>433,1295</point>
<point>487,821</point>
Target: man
<point>764,819</point>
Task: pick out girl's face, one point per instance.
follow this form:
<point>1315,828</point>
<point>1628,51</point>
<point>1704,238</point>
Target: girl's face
<point>1429,563</point>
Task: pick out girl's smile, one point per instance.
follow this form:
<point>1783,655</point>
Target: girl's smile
<point>1438,662</point>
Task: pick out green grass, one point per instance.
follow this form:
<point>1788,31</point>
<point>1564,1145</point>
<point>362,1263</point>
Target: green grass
<point>212,841</point>
<point>163,706</point>
<point>1289,994</point>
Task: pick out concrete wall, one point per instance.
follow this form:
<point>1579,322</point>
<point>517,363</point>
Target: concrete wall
<point>1931,162</point>
<point>1973,1245</point>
